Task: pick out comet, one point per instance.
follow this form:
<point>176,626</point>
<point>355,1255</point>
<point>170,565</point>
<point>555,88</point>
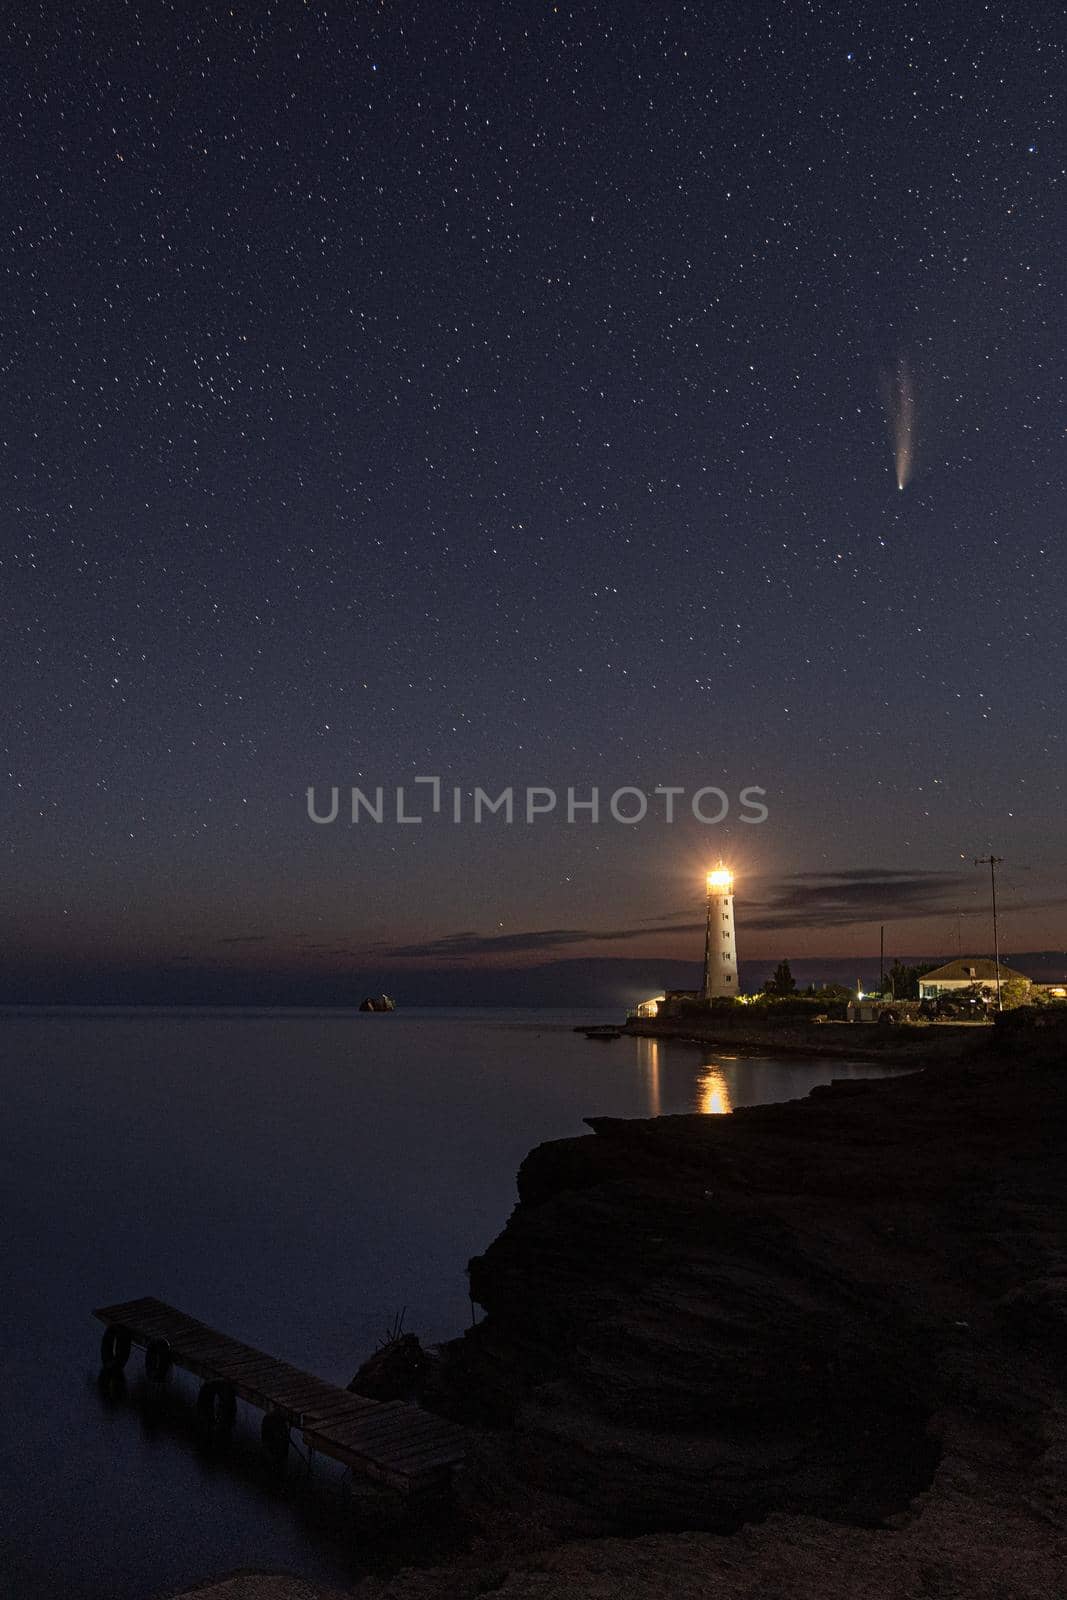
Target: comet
<point>900,406</point>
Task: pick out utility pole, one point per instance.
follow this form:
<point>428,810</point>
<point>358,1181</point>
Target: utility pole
<point>993,862</point>
<point>881,959</point>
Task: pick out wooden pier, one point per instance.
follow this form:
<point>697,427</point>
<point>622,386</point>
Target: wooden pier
<point>400,1445</point>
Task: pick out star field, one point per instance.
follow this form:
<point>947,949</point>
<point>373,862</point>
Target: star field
<point>499,392</point>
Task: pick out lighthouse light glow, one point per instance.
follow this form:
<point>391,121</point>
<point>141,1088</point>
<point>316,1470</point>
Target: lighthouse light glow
<point>721,878</point>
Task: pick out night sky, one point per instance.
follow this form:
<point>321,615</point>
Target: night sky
<point>507,393</point>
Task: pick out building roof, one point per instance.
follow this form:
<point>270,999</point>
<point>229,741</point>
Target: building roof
<point>971,969</point>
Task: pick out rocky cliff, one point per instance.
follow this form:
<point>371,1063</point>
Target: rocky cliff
<point>847,1315</point>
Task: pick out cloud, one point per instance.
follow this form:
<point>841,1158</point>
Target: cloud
<point>800,902</point>
<point>244,938</point>
<point>477,944</point>
<point>803,900</point>
<point>856,895</point>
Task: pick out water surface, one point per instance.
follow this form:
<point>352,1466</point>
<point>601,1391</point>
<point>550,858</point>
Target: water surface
<point>294,1178</point>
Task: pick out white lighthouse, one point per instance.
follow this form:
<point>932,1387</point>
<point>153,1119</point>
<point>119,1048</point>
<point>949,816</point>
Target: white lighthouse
<point>720,946</point>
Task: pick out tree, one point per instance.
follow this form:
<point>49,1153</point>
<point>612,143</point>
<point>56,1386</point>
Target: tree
<point>904,981</point>
<point>829,992</point>
<point>781,982</point>
<point>1014,992</point>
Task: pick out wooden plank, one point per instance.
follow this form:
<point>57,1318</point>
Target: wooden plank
<point>408,1457</point>
<point>410,1416</point>
<point>383,1416</point>
<point>326,1391</point>
<point>294,1394</point>
<point>138,1319</point>
<point>310,1405</point>
<point>259,1379</point>
<point>388,1440</point>
<point>161,1317</point>
<point>414,1460</point>
<point>259,1363</point>
<point>232,1351</point>
<point>194,1342</point>
<point>149,1314</point>
<point>354,1443</point>
<point>413,1445</point>
<point>287,1388</point>
<point>364,1464</point>
<point>228,1357</point>
<point>284,1374</point>
<point>227,1365</point>
<point>369,1469</point>
<point>259,1383</point>
<point>194,1359</point>
<point>419,1463</point>
<point>415,1430</point>
<point>226,1347</point>
<point>415,1440</point>
<point>115,1317</point>
<point>248,1360</point>
<point>347,1424</point>
<point>357,1402</point>
<point>221,1349</point>
<point>126,1308</point>
<point>366,1433</point>
<point>334,1410</point>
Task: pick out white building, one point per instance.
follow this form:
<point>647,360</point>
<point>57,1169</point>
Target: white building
<point>962,974</point>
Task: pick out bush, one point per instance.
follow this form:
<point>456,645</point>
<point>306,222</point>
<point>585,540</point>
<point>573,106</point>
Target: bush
<point>782,1013</point>
<point>1022,1018</point>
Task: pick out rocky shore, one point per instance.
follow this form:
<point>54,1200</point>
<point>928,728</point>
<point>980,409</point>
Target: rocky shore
<point>911,1046</point>
<point>812,1351</point>
<point>807,1349</point>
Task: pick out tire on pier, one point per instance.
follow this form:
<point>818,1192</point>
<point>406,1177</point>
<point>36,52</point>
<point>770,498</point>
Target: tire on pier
<point>216,1405</point>
<point>157,1360</point>
<point>274,1437</point>
<point>115,1348</point>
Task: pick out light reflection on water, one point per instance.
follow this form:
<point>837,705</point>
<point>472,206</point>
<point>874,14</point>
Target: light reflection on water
<point>294,1179</point>
<point>713,1092</point>
<point>648,1065</point>
<point>676,1077</point>
<point>709,1088</point>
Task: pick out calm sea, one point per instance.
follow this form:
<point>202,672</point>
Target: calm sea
<point>296,1179</point>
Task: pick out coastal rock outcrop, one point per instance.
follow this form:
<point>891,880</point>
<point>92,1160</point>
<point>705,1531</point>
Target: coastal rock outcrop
<point>845,1308</point>
<point>398,1370</point>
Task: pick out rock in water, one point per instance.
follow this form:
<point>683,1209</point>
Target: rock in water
<point>397,1371</point>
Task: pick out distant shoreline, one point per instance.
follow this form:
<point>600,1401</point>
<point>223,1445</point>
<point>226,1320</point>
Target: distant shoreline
<point>901,1043</point>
